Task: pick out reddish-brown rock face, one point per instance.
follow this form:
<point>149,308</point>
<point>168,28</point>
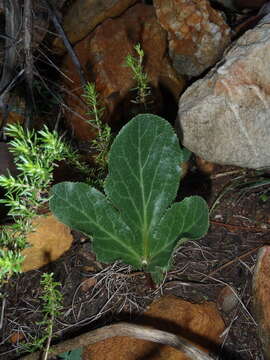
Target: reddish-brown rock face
<point>102,55</point>
<point>197,34</point>
<point>84,15</point>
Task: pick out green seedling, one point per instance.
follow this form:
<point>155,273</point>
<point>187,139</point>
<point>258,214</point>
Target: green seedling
<point>135,221</point>
<point>135,63</point>
<point>102,143</point>
<point>51,308</point>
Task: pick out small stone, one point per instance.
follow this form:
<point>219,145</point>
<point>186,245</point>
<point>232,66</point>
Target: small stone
<point>227,299</point>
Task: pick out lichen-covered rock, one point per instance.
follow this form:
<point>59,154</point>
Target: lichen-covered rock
<point>102,54</point>
<point>197,34</point>
<point>224,117</point>
<point>169,313</point>
<point>84,15</point>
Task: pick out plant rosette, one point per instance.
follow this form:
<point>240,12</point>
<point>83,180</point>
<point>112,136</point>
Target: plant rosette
<point>135,220</point>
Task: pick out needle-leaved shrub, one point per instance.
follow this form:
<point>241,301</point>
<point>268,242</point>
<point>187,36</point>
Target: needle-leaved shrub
<point>135,220</point>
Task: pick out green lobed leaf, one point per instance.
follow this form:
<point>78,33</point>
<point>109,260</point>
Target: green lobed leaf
<point>144,175</point>
<point>185,220</point>
<point>86,209</point>
<point>133,224</point>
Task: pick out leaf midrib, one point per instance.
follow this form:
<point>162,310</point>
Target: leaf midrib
<point>145,232</point>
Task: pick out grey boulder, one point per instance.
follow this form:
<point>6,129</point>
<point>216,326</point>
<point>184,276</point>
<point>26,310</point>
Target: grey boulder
<point>225,117</point>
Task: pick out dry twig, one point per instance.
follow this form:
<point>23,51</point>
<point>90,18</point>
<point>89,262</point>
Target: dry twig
<point>237,258</point>
<point>239,227</point>
<point>12,27</point>
<point>68,46</point>
<point>28,28</point>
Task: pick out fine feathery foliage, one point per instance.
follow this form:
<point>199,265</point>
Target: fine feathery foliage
<point>135,63</point>
<point>35,155</point>
<point>134,221</point>
<point>102,142</point>
<point>51,307</point>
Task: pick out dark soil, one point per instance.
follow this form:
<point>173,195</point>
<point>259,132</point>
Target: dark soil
<point>96,294</point>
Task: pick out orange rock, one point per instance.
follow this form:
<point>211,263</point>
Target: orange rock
<point>102,54</point>
<point>50,240</point>
<point>84,15</point>
<point>197,34</point>
<point>200,323</point>
<point>261,298</point>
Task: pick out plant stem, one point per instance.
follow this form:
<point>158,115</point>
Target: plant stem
<point>48,344</point>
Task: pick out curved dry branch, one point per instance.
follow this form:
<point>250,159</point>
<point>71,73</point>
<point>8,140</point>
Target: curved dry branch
<point>126,329</point>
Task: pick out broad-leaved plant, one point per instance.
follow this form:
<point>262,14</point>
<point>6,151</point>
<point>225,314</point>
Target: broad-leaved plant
<point>135,221</point>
